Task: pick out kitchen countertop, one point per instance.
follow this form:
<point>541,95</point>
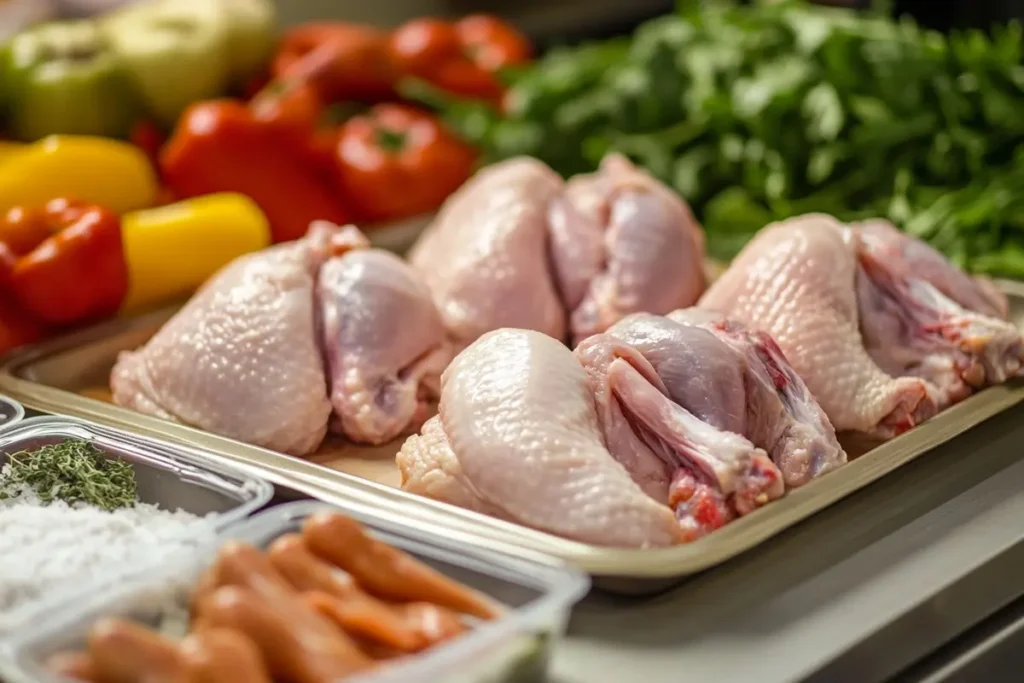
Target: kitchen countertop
<point>937,543</point>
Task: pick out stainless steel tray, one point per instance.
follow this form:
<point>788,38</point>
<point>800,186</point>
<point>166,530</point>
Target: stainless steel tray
<point>69,376</point>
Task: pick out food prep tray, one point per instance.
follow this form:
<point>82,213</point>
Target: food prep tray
<point>168,475</point>
<point>70,376</point>
<point>513,648</point>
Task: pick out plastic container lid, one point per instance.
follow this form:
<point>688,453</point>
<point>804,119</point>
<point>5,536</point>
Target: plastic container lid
<point>11,412</point>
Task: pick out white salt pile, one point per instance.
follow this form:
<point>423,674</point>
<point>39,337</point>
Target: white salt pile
<point>47,551</point>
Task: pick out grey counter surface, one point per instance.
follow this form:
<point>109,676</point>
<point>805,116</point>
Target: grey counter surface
<point>937,543</point>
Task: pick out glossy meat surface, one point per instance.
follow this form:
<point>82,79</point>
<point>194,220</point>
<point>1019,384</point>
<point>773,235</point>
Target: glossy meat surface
<point>797,281</point>
<point>519,437</point>
<point>517,247</point>
<point>242,357</point>
<point>384,342</point>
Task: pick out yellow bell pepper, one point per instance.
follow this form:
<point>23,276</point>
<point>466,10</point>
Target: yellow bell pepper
<point>101,171</point>
<point>171,250</point>
<point>8,150</point>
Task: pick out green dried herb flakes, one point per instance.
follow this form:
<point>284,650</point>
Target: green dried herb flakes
<point>73,471</point>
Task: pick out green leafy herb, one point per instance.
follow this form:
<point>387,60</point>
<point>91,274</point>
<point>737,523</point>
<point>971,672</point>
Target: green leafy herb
<point>73,471</point>
<point>755,112</point>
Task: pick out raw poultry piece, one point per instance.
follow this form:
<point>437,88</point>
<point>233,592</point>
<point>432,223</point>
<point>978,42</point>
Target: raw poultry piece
<point>384,342</point>
<point>624,243</point>
<point>484,256</point>
<point>857,315</point>
<point>921,316</point>
<point>245,357</point>
<point>517,436</point>
<point>781,416</point>
<point>242,357</point>
<point>671,410</point>
<point>517,247</point>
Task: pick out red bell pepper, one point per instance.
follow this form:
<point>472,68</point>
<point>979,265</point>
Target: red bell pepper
<point>220,146</point>
<point>395,162</point>
<point>462,57</point>
<point>342,61</point>
<point>77,272</point>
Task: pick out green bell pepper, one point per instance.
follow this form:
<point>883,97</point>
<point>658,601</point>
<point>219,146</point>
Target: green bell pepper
<point>62,77</point>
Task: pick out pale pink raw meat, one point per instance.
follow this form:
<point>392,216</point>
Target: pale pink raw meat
<point>384,342</point>
<point>644,248</point>
<point>484,256</point>
<point>517,247</point>
<point>710,473</point>
<point>797,281</point>
<point>242,357</point>
<point>923,317</point>
<point>781,415</point>
<point>517,437</point>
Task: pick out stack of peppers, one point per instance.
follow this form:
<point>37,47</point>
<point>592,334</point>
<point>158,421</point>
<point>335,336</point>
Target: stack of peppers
<point>81,240</point>
<point>294,152</point>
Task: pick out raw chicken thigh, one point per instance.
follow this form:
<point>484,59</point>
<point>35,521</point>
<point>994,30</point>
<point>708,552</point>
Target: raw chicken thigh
<point>697,415</point>
<point>860,314</point>
<point>922,316</point>
<point>781,415</point>
<point>483,258</point>
<point>517,247</point>
<point>624,244</point>
<point>517,437</point>
<point>384,341</point>
<point>244,357</point>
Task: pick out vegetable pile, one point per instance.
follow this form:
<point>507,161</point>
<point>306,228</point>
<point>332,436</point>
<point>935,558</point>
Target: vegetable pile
<point>763,111</point>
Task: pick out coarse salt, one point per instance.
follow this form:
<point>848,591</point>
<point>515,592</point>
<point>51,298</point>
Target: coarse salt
<point>49,551</point>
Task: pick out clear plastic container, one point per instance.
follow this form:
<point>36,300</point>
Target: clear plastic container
<point>170,476</point>
<point>11,412</point>
<point>513,648</point>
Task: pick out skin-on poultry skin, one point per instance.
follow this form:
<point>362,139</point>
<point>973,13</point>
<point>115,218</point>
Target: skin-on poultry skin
<point>517,247</point>
<point>923,317</point>
<point>483,257</point>
<point>519,438</point>
<point>241,358</point>
<point>861,316</point>
<point>278,340</point>
<point>380,375</point>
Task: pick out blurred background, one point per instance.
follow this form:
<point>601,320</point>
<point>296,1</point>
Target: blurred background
<point>544,20</point>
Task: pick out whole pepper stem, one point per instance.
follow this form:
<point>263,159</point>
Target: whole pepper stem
<point>390,140</point>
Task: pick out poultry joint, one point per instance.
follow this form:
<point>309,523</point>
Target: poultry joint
<point>517,247</point>
<point>279,340</point>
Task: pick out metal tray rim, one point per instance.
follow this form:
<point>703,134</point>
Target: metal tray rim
<point>660,563</point>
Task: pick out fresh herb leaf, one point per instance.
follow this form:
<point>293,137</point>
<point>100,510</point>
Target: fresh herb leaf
<point>74,471</point>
